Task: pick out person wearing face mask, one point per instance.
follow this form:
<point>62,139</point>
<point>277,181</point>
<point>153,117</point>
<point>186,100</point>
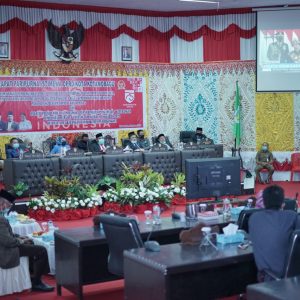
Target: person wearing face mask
<point>83,143</point>
<point>61,147</point>
<point>133,144</point>
<point>144,142</point>
<point>162,141</point>
<point>13,150</point>
<point>98,144</point>
<point>264,160</point>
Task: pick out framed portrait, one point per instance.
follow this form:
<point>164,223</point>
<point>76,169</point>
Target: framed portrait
<point>3,50</point>
<point>126,53</point>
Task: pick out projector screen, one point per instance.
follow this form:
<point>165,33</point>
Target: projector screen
<point>278,51</point>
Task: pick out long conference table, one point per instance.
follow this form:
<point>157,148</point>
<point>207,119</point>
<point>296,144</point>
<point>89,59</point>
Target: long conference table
<point>81,253</point>
<point>188,272</point>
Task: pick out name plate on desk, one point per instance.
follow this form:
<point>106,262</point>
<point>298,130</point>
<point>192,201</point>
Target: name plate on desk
<point>33,155</point>
<point>191,146</point>
<point>159,149</point>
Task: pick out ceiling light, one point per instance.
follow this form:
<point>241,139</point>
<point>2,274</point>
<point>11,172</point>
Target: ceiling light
<point>200,1</point>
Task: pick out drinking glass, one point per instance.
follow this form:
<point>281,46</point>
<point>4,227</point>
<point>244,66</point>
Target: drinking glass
<point>148,214</point>
<point>203,207</point>
<point>75,149</point>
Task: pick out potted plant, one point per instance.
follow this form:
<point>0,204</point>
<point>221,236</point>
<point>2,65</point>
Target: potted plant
<point>19,188</point>
<point>106,182</point>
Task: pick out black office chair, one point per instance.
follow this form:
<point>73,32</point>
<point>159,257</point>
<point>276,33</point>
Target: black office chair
<point>292,266</point>
<point>290,204</point>
<point>125,142</point>
<point>244,216</point>
<point>121,234</point>
<point>186,136</point>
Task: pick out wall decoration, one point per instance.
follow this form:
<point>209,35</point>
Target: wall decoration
<point>126,53</point>
<point>4,50</point>
<point>66,42</point>
<point>275,120</point>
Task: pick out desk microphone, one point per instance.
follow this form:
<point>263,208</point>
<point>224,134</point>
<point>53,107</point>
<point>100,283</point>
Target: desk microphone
<point>152,246</point>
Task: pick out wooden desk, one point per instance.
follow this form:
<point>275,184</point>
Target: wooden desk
<point>187,272</point>
<point>81,253</point>
<point>285,289</point>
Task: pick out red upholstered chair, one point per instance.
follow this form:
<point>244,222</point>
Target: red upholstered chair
<point>295,160</point>
<point>266,171</point>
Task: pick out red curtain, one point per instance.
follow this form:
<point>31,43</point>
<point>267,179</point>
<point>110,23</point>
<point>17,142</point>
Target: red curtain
<point>96,45</point>
<point>219,46</point>
<point>28,43</point>
<point>154,48</point>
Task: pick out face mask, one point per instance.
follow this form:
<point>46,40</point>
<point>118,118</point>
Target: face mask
<point>163,142</point>
<point>264,148</point>
<point>101,141</point>
<point>64,143</point>
<point>142,136</point>
<point>16,145</point>
<point>134,141</point>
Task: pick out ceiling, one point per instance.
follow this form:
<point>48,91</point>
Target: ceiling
<point>174,5</point>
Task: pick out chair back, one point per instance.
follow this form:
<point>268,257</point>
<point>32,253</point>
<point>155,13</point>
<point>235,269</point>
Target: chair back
<point>244,216</point>
<point>295,160</point>
<point>109,140</point>
<point>125,142</point>
<point>290,204</point>
<point>121,234</point>
<point>293,258</point>
<point>186,136</point>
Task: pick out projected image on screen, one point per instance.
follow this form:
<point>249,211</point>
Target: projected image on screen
<point>280,50</point>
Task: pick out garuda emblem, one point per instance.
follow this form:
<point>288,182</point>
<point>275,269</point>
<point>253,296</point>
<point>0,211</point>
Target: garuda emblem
<point>65,40</point>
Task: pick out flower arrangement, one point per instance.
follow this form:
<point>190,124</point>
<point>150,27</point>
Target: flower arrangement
<point>139,188</point>
<point>65,199</point>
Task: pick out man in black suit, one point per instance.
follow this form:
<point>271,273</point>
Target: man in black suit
<point>83,143</point>
<point>134,144</point>
<point>13,246</point>
<point>162,141</point>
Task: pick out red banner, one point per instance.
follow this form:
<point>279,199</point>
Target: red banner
<point>71,103</point>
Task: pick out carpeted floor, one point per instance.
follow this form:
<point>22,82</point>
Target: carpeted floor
<point>115,290</point>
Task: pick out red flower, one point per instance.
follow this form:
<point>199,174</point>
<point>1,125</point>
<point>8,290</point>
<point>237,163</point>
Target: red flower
<point>127,208</point>
<point>85,213</point>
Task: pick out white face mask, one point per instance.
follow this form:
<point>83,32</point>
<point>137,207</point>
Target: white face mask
<point>134,141</point>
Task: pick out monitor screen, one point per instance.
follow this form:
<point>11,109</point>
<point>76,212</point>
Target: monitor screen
<point>213,177</point>
<point>278,50</point>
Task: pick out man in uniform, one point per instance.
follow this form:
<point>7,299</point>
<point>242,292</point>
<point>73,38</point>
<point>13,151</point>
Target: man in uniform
<point>279,50</point>
<point>264,160</point>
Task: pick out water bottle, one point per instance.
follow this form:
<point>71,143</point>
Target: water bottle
<point>249,203</point>
<point>156,215</point>
<point>226,209</point>
<point>21,154</point>
<point>50,226</point>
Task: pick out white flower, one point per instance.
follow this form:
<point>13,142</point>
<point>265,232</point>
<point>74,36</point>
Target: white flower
<point>56,205</point>
<point>47,208</point>
<point>63,205</point>
<point>52,210</point>
<point>35,207</point>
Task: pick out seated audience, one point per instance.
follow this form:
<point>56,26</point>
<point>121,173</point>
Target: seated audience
<point>199,136</point>
<point>97,145</point>
<point>133,144</point>
<point>264,160</point>
<point>162,141</point>
<point>61,147</point>
<point>13,149</point>
<point>270,230</point>
<point>13,246</point>
<point>144,142</point>
<point>83,143</point>
<point>24,124</point>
